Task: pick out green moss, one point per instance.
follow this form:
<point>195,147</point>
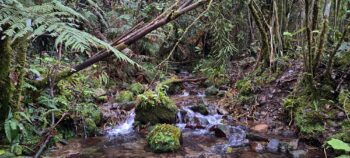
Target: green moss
<point>170,86</point>
<point>201,108</point>
<point>91,115</point>
<point>6,87</point>
<point>164,138</point>
<point>153,108</point>
<point>125,96</point>
<point>90,126</point>
<point>136,88</point>
<point>244,86</point>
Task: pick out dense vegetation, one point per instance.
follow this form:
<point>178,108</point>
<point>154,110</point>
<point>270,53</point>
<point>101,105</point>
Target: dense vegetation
<point>62,59</point>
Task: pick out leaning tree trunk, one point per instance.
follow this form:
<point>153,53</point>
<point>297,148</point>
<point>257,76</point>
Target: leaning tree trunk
<point>125,40</point>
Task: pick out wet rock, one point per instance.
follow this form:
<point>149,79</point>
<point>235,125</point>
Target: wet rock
<point>154,109</point>
<point>260,128</point>
<point>237,137</point>
<point>164,138</point>
<point>257,147</point>
<point>219,130</point>
<point>273,145</point>
<point>212,90</point>
<point>201,108</point>
<point>298,153</point>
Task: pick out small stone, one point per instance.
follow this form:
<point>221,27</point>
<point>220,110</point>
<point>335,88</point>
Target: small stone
<point>212,90</point>
<point>341,115</point>
<point>260,128</point>
<point>257,147</point>
<point>273,145</point>
<point>298,153</point>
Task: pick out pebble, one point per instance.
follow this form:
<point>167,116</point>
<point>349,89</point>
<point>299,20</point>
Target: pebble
<point>273,145</point>
<point>260,128</point>
<point>257,147</point>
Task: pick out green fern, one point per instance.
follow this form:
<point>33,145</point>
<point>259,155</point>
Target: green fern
<point>54,19</point>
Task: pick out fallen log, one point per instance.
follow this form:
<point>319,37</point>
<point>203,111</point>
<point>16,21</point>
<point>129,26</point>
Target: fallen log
<point>125,40</point>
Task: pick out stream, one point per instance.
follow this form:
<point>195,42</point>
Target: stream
<point>212,135</point>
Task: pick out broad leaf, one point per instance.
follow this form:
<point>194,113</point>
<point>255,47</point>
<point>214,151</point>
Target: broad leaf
<point>338,145</point>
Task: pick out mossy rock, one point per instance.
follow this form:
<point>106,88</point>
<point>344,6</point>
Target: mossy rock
<point>89,110</point>
<point>125,96</point>
<point>136,88</point>
<point>170,86</point>
<point>92,117</point>
<point>201,108</point>
<point>164,138</point>
<point>154,108</point>
<point>90,126</point>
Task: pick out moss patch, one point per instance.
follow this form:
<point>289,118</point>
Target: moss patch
<point>155,107</point>
<point>136,88</point>
<point>164,138</point>
<point>125,96</point>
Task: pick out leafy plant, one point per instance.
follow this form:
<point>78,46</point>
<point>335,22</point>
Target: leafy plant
<point>338,145</point>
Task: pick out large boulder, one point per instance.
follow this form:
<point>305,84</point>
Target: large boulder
<point>201,108</point>
<point>164,138</point>
<point>155,107</point>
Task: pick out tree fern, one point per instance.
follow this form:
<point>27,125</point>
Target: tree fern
<point>54,19</point>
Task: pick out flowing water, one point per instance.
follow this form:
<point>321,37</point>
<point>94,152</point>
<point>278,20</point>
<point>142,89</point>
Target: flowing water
<point>209,135</point>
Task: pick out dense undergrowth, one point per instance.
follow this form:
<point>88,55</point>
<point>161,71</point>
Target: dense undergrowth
<point>297,65</point>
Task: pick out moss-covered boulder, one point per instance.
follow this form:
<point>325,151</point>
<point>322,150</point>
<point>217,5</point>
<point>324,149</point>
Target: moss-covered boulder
<point>136,88</point>
<point>164,138</point>
<point>125,96</point>
<point>155,107</point>
<point>170,86</point>
<point>92,117</point>
<point>201,108</point>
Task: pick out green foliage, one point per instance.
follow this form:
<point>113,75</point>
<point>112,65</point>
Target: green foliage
<point>344,99</point>
<point>306,113</point>
<point>136,88</point>
<point>51,18</point>
<point>125,96</point>
<point>216,75</point>
<point>155,107</point>
<point>164,138</point>
<point>244,86</point>
<point>337,144</point>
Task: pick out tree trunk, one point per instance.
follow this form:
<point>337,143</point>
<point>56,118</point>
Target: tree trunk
<point>6,87</point>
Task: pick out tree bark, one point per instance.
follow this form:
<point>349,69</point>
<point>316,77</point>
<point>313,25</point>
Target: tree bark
<point>6,87</point>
